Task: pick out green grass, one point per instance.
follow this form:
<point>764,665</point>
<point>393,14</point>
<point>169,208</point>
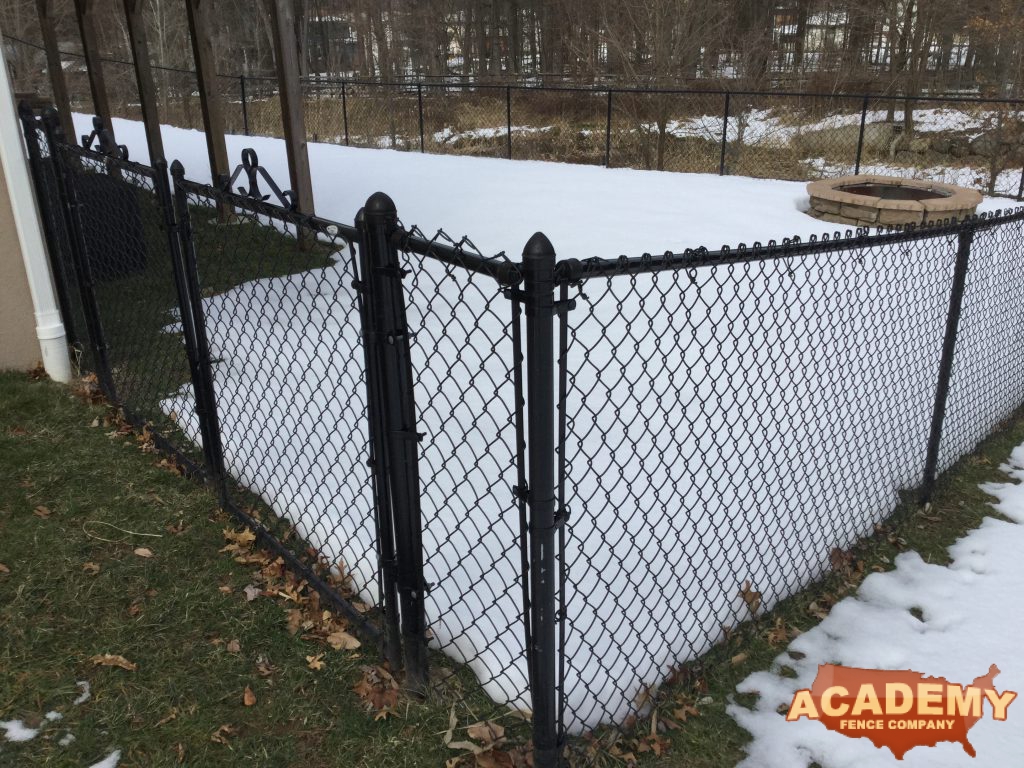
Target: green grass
<point>56,616</point>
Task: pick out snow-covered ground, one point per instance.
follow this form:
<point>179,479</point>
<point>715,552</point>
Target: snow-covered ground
<point>278,379</point>
<point>970,619</point>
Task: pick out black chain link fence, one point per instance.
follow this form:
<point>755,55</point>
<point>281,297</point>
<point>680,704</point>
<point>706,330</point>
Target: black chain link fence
<point>571,476</point>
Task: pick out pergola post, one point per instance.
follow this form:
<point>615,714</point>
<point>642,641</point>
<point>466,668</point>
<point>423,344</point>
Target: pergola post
<point>199,27</point>
<point>144,78</point>
<point>54,67</point>
<point>90,47</point>
<point>290,89</point>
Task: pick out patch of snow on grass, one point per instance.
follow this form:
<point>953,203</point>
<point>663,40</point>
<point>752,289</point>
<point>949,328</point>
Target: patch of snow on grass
<point>15,730</point>
<point>110,761</point>
<point>86,692</point>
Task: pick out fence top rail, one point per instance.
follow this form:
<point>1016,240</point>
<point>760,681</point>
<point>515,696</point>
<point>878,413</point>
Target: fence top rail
<point>442,248</point>
<point>572,271</point>
<point>111,161</point>
<point>413,85</point>
<point>317,224</point>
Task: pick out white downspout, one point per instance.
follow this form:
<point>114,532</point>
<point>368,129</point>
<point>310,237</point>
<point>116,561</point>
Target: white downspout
<point>49,327</point>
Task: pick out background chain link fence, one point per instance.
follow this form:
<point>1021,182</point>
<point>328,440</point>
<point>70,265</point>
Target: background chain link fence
<point>973,142</point>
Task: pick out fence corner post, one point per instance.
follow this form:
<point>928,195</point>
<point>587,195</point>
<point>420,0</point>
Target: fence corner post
<point>539,290</point>
<point>965,239</point>
<point>390,339</point>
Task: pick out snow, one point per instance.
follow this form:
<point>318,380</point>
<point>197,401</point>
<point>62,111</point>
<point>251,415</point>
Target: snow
<point>970,619</point>
<point>110,761</point>
<point>15,730</point>
<point>308,463</point>
<point>86,692</point>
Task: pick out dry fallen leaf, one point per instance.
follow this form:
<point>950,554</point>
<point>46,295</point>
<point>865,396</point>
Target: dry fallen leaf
<point>233,647</point>
<point>143,552</point>
<point>487,732</point>
<point>315,662</point>
<point>110,660</point>
<point>377,688</point>
<point>90,567</point>
<point>225,589</point>
<point>4,568</point>
<point>221,735</point>
<point>41,511</point>
<point>751,597</point>
<point>251,592</point>
<point>173,714</point>
<point>264,668</point>
<point>294,620</point>
<point>248,697</point>
<point>738,659</point>
<point>342,641</point>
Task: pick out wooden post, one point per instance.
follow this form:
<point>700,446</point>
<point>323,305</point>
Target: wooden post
<point>90,47</point>
<point>144,78</point>
<point>54,68</point>
<point>290,89</point>
<point>199,28</point>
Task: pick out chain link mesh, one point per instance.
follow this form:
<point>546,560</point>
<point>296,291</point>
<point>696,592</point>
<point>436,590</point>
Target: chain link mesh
<point>125,242</point>
<point>728,425</point>
<point>282,319</point>
<point>465,353</point>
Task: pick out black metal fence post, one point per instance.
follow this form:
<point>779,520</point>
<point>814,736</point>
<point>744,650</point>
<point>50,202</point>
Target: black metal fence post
<point>383,523</point>
<point>419,99</point>
<point>401,440</point>
<point>508,120</point>
<point>608,133</point>
<point>539,298</point>
<point>245,105</point>
<point>725,137</point>
<point>956,298</point>
<point>193,319</point>
<point>79,253</point>
<point>30,127</point>
<point>344,110</point>
<point>860,137</point>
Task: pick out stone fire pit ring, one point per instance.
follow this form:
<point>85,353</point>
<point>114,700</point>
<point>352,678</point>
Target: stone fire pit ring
<point>885,201</point>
